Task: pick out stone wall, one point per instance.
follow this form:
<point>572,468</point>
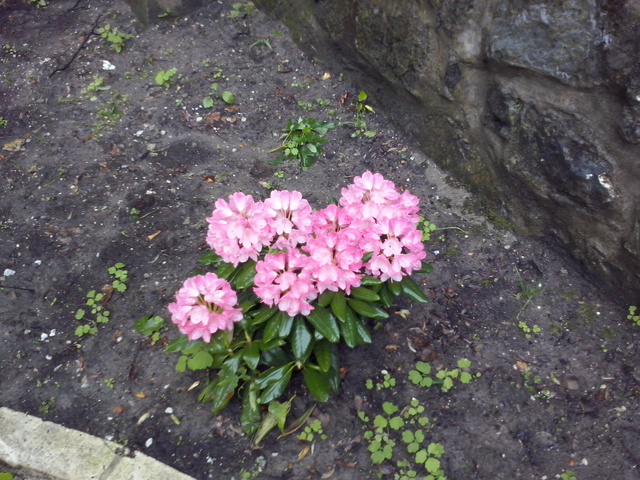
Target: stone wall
<point>533,104</point>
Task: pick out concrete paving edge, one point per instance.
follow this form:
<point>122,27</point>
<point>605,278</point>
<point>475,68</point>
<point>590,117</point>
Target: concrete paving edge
<point>40,450</point>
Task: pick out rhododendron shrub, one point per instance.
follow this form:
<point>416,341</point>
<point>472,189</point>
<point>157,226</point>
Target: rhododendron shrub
<point>290,283</point>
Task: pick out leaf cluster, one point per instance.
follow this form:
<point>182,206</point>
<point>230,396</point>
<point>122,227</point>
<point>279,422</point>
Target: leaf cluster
<point>302,141</point>
<point>96,312</point>
<point>632,315</point>
<point>114,37</point>
<point>406,427</point>
<point>422,375</point>
<point>165,78</point>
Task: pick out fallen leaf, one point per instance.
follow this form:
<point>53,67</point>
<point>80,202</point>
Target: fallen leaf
<point>118,410</point>
<point>193,385</point>
<point>522,366</point>
<point>326,76</point>
<point>209,178</point>
<point>232,109</point>
<point>115,150</point>
<point>304,452</point>
<point>140,395</point>
<point>14,146</point>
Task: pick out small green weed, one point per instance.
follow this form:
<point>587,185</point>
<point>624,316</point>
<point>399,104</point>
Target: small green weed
<point>359,122</point>
<point>241,10</point>
<point>96,313</point>
<point>110,112</point>
<point>38,3</point>
<point>423,377</point>
<point>311,431</point>
<point>632,315</point>
<point>47,406</point>
<point>6,476</point>
<point>568,475</point>
<point>302,140</point>
<point>387,382</point>
<point>110,383</point>
<point>406,427</point>
<point>166,78</point>
<point>528,331</point>
<point>427,228</point>
<point>97,85</point>
<point>526,293</point>
<point>3,122</point>
<point>114,37</point>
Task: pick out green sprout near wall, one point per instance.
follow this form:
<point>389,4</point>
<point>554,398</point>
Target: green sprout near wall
<point>114,37</point>
<point>302,141</point>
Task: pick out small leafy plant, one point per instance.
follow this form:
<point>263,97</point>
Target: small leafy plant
<point>289,284</point>
<point>166,78</point>
<point>151,326</point>
<point>96,312</point>
<point>568,475</point>
<point>527,330</point>
<point>526,293</point>
<point>241,10</point>
<point>423,377</point>
<point>114,37</point>
<point>408,428</point>
<point>302,141</point>
<point>97,85</point>
<point>359,122</point>
<point>387,382</point>
<point>311,431</point>
<point>632,315</point>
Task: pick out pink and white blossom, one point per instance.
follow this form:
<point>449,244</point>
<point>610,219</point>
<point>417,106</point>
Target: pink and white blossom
<point>290,218</point>
<point>205,305</point>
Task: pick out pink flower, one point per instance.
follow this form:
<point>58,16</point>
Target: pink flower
<point>397,252</point>
<point>282,279</point>
<point>337,260</point>
<point>239,229</point>
<point>368,194</point>
<point>290,218</point>
<point>204,305</point>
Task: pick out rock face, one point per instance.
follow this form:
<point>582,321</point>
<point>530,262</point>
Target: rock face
<point>533,104</point>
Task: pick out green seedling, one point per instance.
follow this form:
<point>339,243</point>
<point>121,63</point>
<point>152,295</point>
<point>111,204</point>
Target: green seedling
<point>359,122</point>
<point>96,313</point>
<point>166,78</point>
<point>262,41</point>
<point>306,106</point>
<point>6,476</point>
<point>632,315</point>
<point>407,427</point>
<point>114,37</point>
<point>97,85</point>
<point>110,113</point>
<point>135,213</point>
<point>47,406</point>
<point>207,102</point>
<point>568,475</point>
<point>427,228</point>
<point>528,331</point>
<point>3,122</point>
<point>423,376</point>
<point>110,383</point>
<point>387,382</point>
<point>228,98</point>
<point>311,431</point>
<point>279,175</point>
<point>38,3</point>
<point>302,140</point>
<point>241,10</point>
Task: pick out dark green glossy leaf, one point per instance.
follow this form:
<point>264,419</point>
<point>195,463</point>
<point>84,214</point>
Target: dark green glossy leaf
<point>369,281</point>
<point>386,297</point>
<point>413,291</point>
<point>317,385</point>
<point>251,355</point>
<point>323,351</point>
<point>225,270</point>
<point>364,337</point>
<point>262,315</point>
<point>362,293</point>
<point>349,329</point>
<point>276,357</point>
<point>243,279</point>
<point>324,323</point>
<point>273,382</point>
<point>285,326</point>
<point>369,310</point>
<point>325,298</point>
<point>221,390</point>
<point>210,258</point>
<point>250,415</point>
<point>394,287</point>
<point>339,305</point>
<point>278,323</point>
<point>426,269</point>
<point>301,340</point>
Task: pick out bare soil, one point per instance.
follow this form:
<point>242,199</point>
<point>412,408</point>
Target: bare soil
<point>73,167</point>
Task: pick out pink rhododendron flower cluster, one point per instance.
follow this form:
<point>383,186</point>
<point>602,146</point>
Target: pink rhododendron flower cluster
<point>204,305</point>
<point>308,251</point>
